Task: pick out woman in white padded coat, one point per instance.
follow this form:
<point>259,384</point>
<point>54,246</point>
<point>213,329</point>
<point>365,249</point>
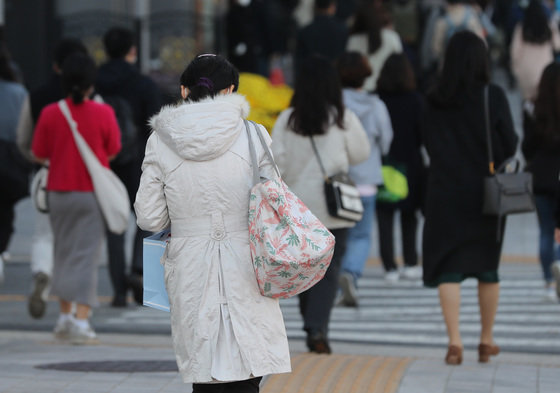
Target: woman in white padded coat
<point>196,179</point>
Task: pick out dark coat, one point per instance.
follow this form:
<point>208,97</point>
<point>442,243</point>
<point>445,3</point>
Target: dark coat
<point>117,77</point>
<point>407,112</point>
<point>44,95</point>
<point>457,237</point>
<point>326,36</point>
<point>542,154</point>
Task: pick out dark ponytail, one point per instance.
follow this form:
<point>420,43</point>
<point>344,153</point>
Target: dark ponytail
<point>78,75</point>
<point>207,75</point>
<point>77,95</point>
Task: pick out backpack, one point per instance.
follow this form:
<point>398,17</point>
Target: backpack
<point>129,130</point>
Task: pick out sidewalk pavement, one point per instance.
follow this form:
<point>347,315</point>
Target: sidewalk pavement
<point>33,362</point>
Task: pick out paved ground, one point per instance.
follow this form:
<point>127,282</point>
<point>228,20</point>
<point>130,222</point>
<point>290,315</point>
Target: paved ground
<point>353,368</point>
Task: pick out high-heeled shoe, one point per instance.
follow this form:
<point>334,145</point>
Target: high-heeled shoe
<point>454,355</point>
<point>485,351</point>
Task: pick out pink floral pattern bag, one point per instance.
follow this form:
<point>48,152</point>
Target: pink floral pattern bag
<point>291,249</point>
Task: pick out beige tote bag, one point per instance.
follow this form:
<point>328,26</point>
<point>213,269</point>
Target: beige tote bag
<point>110,192</point>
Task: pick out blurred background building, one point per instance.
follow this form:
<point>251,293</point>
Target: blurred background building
<point>169,32</point>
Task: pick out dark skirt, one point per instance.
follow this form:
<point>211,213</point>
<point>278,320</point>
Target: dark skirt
<point>447,278</point>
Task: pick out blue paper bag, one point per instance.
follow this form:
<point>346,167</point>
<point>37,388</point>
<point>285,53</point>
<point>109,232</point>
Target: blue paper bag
<point>155,295</point>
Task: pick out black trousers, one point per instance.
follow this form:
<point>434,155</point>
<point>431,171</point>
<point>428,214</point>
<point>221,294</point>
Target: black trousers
<point>409,225</point>
<point>130,176</point>
<point>6,221</point>
<point>247,386</point>
<point>315,304</point>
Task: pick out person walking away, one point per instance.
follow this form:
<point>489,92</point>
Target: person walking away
<point>459,15</point>
<point>541,148</point>
<point>13,171</point>
<point>535,39</point>
<point>458,240</point>
<point>326,35</point>
<point>353,69</point>
<point>196,179</point>
<point>397,89</point>
<point>317,115</point>
<point>76,220</point>
<point>135,98</point>
<point>370,37</point>
<point>42,241</point>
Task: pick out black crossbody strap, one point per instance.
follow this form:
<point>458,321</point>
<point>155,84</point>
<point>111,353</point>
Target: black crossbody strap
<point>318,158</point>
<point>491,168</point>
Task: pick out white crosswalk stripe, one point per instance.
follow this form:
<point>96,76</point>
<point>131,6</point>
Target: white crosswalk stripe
<point>406,313</point>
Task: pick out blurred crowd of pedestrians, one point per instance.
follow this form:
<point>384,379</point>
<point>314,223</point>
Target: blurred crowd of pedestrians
<point>367,87</point>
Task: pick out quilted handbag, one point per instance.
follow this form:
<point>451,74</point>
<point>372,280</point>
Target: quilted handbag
<point>342,195</point>
<point>290,248</point>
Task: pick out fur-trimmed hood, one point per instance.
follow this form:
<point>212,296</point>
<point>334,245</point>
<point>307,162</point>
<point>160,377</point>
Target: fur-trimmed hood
<point>203,130</point>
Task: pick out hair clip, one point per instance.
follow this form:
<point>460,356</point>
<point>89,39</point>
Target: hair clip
<point>206,82</point>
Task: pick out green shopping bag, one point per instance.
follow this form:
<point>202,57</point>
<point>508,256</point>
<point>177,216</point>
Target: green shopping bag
<point>395,184</point>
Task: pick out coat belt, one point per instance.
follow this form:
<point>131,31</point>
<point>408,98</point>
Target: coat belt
<point>215,225</point>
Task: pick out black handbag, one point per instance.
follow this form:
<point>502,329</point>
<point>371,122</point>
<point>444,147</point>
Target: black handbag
<point>342,195</point>
<point>506,190</point>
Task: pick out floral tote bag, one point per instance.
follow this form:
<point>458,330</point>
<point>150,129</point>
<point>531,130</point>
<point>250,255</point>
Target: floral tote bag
<point>291,249</point>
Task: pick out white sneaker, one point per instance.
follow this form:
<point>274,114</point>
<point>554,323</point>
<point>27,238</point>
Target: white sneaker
<point>412,272</point>
<point>80,335</point>
<point>349,291</point>
<point>62,329</point>
<point>550,294</point>
<point>556,272</point>
<point>392,276</point>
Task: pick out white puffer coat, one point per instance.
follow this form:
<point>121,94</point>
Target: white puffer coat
<point>196,178</point>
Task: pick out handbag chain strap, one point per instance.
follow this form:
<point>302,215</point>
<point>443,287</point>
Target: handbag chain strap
<point>327,179</point>
<point>491,168</point>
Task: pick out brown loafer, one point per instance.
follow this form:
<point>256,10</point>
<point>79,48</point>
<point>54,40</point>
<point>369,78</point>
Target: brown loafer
<point>485,351</point>
<point>454,355</point>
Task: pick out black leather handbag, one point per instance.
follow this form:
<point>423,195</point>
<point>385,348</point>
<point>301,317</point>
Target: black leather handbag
<point>506,190</point>
<point>342,195</point>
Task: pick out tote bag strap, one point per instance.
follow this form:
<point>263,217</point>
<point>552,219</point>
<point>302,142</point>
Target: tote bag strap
<point>491,168</point>
<point>87,154</point>
<point>252,152</point>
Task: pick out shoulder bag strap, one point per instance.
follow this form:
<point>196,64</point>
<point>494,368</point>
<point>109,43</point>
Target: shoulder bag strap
<point>491,168</point>
<point>266,148</point>
<point>319,158</point>
<point>252,152</point>
<point>88,156</point>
